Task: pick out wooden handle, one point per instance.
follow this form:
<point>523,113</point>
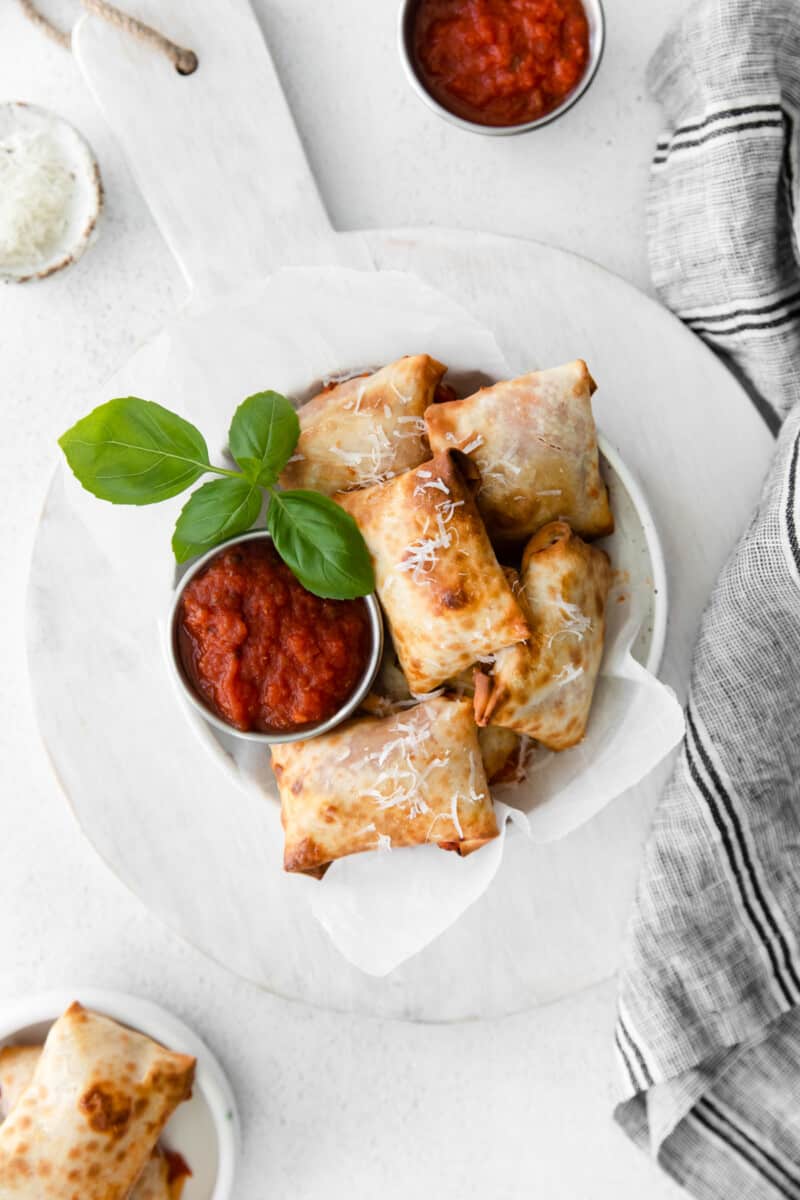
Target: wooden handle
<point>215,153</point>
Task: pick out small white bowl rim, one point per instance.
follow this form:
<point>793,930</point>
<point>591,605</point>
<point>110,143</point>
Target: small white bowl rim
<point>149,1018</point>
<point>278,738</point>
<point>66,255</point>
<point>655,548</point>
<point>504,130</point>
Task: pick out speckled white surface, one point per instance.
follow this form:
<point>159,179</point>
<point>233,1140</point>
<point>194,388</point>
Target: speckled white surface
<point>332,1106</point>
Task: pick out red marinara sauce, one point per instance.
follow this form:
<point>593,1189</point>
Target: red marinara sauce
<point>500,62</point>
<point>263,651</point>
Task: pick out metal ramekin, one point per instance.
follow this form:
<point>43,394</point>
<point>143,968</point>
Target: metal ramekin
<point>597,34</point>
<point>293,735</point>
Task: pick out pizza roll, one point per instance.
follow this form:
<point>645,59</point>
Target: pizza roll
<point>437,577</point>
<point>165,1173</point>
<point>365,430</point>
<point>544,688</point>
<point>534,442</point>
<point>403,780</point>
<point>88,1121</point>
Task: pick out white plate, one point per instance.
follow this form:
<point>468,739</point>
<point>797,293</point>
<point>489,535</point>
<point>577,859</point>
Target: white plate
<point>204,1129</point>
<point>87,197</point>
<point>174,821</point>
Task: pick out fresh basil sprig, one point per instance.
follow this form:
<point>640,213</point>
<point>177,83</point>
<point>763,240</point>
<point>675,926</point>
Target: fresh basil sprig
<point>132,451</point>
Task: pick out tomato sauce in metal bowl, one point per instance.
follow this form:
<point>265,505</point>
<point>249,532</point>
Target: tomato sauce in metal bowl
<point>500,62</point>
<point>263,652</point>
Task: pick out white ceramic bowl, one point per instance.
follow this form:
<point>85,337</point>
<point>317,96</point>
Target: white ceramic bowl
<point>186,686</point>
<point>597,36</point>
<point>205,1129</point>
<point>87,196</point>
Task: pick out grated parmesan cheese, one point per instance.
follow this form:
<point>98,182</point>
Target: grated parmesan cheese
<point>568,674</point>
<point>437,483</point>
<point>374,465</point>
<point>417,431</point>
<point>576,623</point>
<point>36,190</point>
<point>421,556</point>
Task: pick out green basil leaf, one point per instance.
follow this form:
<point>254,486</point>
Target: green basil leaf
<point>263,434</point>
<point>131,451</point>
<point>321,544</point>
<point>216,511</point>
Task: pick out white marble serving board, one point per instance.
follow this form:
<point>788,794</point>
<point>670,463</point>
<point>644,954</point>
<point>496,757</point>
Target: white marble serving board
<point>219,161</point>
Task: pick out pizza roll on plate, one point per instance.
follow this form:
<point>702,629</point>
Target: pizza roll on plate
<point>403,780</point>
<point>445,595</point>
<point>544,688</point>
<point>534,442</point>
<point>165,1173</point>
<point>89,1119</point>
<point>365,430</point>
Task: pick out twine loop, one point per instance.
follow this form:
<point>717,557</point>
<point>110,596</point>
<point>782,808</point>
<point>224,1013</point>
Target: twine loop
<point>183,59</point>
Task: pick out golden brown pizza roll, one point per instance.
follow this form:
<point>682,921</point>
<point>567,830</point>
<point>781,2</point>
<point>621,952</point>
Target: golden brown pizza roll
<point>443,591</point>
<point>365,430</point>
<point>165,1173</point>
<point>402,780</point>
<point>88,1121</point>
<point>544,688</point>
<point>534,442</point>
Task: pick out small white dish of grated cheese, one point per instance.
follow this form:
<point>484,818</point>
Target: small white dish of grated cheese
<point>51,193</point>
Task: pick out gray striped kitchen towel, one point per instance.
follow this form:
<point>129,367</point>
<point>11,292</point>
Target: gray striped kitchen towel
<point>708,1035</point>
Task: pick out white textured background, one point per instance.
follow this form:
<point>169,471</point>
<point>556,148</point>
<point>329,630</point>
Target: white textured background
<point>331,1106</point>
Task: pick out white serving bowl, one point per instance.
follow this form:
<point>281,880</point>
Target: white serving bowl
<point>205,1129</point>
<point>636,547</point>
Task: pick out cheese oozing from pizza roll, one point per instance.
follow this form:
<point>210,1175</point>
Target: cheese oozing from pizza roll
<point>383,782</point>
<point>165,1173</point>
<point>89,1118</point>
<point>437,577</point>
<point>365,430</point>
<point>534,442</point>
<point>544,687</point>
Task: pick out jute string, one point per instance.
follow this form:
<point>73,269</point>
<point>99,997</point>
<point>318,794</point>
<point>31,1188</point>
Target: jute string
<point>184,61</point>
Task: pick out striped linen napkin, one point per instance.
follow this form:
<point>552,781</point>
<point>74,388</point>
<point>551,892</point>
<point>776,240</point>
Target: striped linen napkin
<point>708,1036</point>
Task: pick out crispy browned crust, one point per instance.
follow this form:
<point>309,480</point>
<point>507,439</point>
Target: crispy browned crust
<point>412,778</point>
<point>457,606</point>
<point>535,443</point>
<point>365,427</point>
<point>91,1114</point>
<point>544,688</point>
<point>165,1173</point>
